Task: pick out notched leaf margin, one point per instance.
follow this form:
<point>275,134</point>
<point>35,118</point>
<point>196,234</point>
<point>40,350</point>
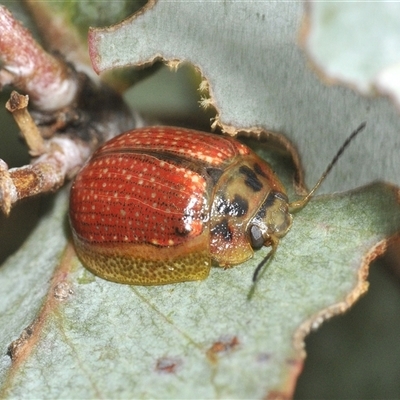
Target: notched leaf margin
<point>360,289</point>
<point>208,99</point>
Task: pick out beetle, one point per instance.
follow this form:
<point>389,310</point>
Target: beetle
<point>160,205</point>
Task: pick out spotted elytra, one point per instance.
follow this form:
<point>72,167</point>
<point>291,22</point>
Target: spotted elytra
<point>158,205</point>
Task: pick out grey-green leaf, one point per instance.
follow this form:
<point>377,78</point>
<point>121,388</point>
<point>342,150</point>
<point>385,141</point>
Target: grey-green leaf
<point>259,77</point>
<point>93,338</point>
<point>358,44</point>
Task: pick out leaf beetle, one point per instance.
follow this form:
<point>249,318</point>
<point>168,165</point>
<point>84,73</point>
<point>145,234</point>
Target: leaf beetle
<point>159,205</point>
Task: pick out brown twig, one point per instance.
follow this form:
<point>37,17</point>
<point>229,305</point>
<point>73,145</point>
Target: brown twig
<point>18,106</point>
<point>72,114</point>
<point>47,79</point>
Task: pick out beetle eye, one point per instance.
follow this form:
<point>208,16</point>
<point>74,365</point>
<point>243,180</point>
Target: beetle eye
<point>256,237</point>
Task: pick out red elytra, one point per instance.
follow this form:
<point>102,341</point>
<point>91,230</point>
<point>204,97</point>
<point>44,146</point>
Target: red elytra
<point>158,205</point>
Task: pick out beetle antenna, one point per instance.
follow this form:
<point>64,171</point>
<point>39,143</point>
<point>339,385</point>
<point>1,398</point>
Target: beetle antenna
<point>260,267</point>
<point>299,204</point>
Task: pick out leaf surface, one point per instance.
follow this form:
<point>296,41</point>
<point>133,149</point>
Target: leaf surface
<point>365,54</point>
<point>189,340</point>
<point>258,76</point>
<point>80,336</point>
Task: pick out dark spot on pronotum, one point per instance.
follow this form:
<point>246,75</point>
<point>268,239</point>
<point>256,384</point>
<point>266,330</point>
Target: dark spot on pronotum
<point>263,209</point>
<point>235,208</point>
<point>269,201</point>
<point>239,206</point>
<point>223,205</point>
<point>222,229</point>
<point>258,170</point>
<point>271,198</point>
<point>214,174</point>
<point>251,179</point>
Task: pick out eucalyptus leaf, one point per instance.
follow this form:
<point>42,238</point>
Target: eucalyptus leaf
<point>68,334</point>
<point>258,76</point>
<point>64,24</point>
<point>93,338</point>
<point>365,53</point>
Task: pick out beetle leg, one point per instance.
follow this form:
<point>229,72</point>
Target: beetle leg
<point>274,245</point>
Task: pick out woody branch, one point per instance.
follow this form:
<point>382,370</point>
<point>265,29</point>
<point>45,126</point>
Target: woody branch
<point>69,114</point>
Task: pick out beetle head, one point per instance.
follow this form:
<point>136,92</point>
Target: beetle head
<point>271,222</point>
